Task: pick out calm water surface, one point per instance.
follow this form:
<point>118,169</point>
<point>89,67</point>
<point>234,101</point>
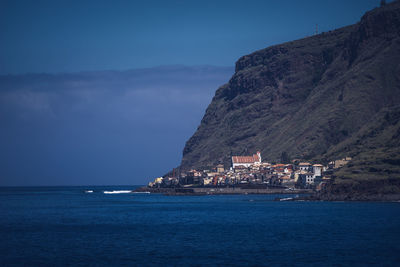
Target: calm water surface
<point>66,226</point>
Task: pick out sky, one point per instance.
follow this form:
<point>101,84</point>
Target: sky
<point>108,92</point>
<point>69,36</point>
<point>100,128</point>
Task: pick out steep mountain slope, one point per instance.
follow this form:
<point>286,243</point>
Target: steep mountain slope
<point>374,172</point>
<point>315,98</point>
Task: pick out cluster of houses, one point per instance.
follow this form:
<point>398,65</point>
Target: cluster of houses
<point>252,171</point>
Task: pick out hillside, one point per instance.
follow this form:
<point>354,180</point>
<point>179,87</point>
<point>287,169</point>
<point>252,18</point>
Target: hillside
<point>321,97</point>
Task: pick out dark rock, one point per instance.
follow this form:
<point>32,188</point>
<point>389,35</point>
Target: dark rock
<point>319,98</point>
<point>307,97</point>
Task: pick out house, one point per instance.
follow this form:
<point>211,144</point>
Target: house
<point>309,178</point>
<point>317,169</point>
<point>285,179</point>
<point>207,181</point>
<point>296,176</point>
<point>168,181</point>
<point>279,168</point>
<point>215,180</point>
<point>288,168</point>
<point>306,178</point>
<point>304,166</point>
<point>246,161</point>
<point>265,165</point>
<point>192,177</point>
<point>220,168</point>
<point>212,174</point>
<point>241,169</point>
<point>340,162</point>
<point>158,180</point>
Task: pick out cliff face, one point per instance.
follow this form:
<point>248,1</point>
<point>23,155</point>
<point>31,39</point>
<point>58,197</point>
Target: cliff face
<point>311,98</point>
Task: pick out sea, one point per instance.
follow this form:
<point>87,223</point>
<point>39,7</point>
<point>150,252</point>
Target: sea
<point>111,226</point>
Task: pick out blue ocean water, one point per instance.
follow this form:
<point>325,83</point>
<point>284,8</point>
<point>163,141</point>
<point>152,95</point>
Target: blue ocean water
<point>65,226</point>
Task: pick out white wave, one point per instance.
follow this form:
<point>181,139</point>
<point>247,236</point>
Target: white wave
<point>118,192</point>
<point>286,199</point>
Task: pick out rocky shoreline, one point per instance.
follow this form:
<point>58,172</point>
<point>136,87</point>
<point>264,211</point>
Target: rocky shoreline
<point>299,194</point>
<point>221,191</point>
<point>354,197</point>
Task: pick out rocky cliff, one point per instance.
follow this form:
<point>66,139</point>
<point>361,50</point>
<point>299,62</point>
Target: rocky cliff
<point>323,97</point>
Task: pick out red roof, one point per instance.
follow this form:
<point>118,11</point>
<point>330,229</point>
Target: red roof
<point>245,159</point>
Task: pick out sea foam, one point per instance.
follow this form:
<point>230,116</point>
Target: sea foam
<point>118,192</point>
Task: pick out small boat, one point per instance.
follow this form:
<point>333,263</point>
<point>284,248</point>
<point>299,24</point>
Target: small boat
<point>145,192</point>
<point>88,191</point>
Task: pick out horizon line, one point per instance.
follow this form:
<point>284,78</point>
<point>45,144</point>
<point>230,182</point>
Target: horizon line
<point>162,66</point>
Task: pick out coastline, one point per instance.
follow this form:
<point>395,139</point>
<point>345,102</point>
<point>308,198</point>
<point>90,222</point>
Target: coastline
<point>353,198</point>
<point>299,194</point>
<point>221,191</point>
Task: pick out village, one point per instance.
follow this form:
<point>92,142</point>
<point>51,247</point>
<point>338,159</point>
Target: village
<point>252,172</point>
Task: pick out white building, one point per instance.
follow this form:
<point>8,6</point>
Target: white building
<point>246,161</point>
<point>304,166</point>
<point>309,178</point>
<point>317,168</point>
<point>207,181</point>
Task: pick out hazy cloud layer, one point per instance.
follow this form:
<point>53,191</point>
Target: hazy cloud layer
<point>100,127</point>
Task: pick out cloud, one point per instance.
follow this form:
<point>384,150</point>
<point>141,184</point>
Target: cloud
<point>72,119</point>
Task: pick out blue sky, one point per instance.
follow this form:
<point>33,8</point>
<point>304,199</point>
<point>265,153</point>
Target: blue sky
<point>69,36</point>
<point>125,127</point>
